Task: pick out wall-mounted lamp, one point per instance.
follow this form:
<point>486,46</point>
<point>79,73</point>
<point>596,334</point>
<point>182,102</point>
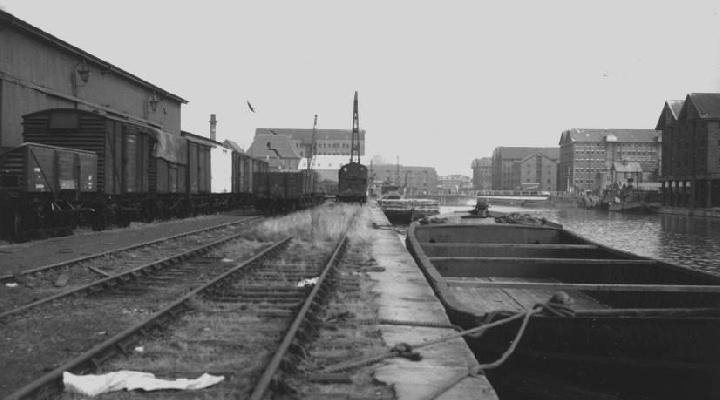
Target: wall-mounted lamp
<point>83,71</point>
<point>153,102</point>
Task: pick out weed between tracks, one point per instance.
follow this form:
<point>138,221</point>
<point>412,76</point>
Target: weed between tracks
<point>230,339</point>
<point>349,328</point>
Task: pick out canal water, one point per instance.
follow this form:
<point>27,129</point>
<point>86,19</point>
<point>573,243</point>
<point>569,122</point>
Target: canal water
<point>690,241</point>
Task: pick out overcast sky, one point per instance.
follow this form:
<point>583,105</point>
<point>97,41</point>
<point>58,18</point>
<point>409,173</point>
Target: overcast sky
<point>440,82</point>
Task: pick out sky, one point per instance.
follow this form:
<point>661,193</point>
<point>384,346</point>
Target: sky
<point>440,82</point>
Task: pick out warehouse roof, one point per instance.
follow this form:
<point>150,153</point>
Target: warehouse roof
<point>675,106</point>
<point>518,153</point>
<point>9,20</point>
<point>616,135</point>
<point>670,113</point>
<point>706,104</point>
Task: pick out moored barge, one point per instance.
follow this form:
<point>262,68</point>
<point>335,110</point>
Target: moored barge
<point>626,326</point>
<point>405,211</point>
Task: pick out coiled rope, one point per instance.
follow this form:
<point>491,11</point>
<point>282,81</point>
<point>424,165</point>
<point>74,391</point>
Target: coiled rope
<point>558,305</point>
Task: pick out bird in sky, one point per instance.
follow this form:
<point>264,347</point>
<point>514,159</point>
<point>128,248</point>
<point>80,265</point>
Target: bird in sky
<point>250,106</point>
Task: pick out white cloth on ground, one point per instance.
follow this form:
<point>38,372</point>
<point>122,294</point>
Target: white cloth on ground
<point>93,385</point>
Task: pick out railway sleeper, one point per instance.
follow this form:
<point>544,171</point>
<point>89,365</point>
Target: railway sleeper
<point>276,294</point>
<point>275,313</point>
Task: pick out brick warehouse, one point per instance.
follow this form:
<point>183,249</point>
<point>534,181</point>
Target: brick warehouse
<point>482,173</point>
<point>587,156</point>
<point>506,164</point>
<point>691,150</point>
<point>538,172</point>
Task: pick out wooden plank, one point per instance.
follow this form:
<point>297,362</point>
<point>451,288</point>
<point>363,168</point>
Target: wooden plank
<point>549,246</point>
<point>544,260</point>
<point>596,287</point>
<point>490,300</point>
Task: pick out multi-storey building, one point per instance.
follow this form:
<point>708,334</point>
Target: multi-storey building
<point>415,180</point>
<point>506,168</point>
<point>587,156</point>
<point>482,173</point>
<point>330,142</point>
<point>332,147</point>
<point>40,71</point>
<point>691,150</point>
<point>454,184</point>
<point>538,172</point>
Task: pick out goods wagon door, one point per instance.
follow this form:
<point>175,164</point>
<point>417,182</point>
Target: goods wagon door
<point>192,167</point>
<point>204,171</point>
<point>130,167</point>
<point>248,174</point>
<point>237,172</point>
<point>113,158</point>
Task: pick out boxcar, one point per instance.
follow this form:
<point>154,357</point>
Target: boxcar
<point>138,167</point>
<point>281,191</point>
<point>41,187</point>
<point>242,177</point>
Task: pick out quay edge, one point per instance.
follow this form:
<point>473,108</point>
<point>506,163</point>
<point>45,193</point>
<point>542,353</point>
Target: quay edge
<point>405,295</point>
<point>690,212</point>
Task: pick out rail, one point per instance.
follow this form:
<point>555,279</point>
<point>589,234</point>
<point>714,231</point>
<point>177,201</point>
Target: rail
<point>46,268</point>
<point>125,276</point>
<point>301,328</point>
<point>301,318</point>
<point>52,381</point>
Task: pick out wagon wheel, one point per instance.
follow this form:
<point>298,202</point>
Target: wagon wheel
<point>19,229</point>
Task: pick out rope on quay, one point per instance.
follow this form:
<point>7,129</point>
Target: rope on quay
<point>558,305</point>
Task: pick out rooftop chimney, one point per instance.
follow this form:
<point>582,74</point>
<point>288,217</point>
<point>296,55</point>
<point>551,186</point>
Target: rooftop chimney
<point>213,126</point>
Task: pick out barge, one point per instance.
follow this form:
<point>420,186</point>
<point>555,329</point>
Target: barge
<point>612,325</point>
<point>405,211</point>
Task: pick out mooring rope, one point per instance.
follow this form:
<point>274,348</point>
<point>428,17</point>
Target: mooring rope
<point>558,305</point>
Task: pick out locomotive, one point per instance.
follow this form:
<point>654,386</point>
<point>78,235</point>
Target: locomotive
<point>79,166</point>
<point>352,183</point>
<point>353,176</point>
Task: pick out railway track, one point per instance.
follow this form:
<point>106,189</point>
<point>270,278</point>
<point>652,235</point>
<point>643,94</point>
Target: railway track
<point>39,285</point>
<point>246,323</point>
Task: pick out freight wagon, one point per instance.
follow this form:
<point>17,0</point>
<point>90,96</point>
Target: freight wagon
<point>281,191</point>
<point>140,172</point>
<point>41,187</point>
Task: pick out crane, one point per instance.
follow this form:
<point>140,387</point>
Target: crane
<point>313,144</point>
<point>355,144</point>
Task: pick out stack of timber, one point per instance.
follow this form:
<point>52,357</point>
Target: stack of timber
<point>639,327</point>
